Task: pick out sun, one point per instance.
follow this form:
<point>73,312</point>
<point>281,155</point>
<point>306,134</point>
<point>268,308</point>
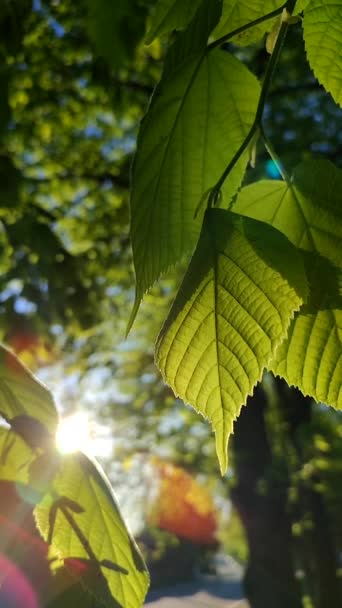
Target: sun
<point>74,434</point>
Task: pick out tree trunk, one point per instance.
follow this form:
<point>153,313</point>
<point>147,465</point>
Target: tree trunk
<point>269,579</point>
<point>261,499</point>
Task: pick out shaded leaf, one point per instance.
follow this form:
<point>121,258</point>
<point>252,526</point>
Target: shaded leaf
<point>322,25</point>
<point>115,28</point>
<point>243,285</point>
<point>171,15</point>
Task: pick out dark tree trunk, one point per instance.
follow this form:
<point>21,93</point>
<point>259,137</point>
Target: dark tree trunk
<point>269,579</point>
<point>261,499</point>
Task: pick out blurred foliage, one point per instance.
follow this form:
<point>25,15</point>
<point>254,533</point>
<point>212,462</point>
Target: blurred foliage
<point>233,539</point>
<point>68,124</point>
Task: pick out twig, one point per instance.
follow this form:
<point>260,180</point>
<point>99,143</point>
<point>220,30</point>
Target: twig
<point>214,194</point>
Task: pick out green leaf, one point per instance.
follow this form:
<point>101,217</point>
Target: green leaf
<point>115,26</point>
<point>236,13</point>
<point>243,285</point>
<point>198,119</point>
<point>322,25</point>
<point>171,15</point>
<point>311,356</point>
<point>309,213</point>
<point>301,6</point>
<point>15,457</point>
<point>94,531</point>
<point>24,399</point>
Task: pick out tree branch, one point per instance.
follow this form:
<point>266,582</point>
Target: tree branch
<point>257,123</point>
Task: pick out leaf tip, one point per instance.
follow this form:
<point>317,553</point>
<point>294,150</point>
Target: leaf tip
<point>221,440</point>
<point>133,314</point>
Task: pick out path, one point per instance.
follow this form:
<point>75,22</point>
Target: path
<point>221,591</point>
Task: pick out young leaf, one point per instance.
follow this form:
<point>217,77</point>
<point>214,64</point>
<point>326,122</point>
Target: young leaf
<point>199,117</point>
<point>311,356</point>
<point>243,285</point>
<point>322,25</point>
<point>95,532</point>
<point>22,396</point>
<point>171,15</point>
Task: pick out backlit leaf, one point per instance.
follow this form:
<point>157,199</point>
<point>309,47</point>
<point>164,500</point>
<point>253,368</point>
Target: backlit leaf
<point>15,457</point>
<point>243,285</point>
<point>322,25</point>
<point>23,397</point>
<point>95,533</point>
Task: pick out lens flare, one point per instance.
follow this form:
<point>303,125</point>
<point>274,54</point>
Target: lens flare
<point>15,589</point>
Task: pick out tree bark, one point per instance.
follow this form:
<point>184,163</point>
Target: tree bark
<point>269,579</point>
<point>260,496</point>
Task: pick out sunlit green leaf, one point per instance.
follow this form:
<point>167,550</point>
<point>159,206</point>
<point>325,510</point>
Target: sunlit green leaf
<point>15,457</point>
<point>322,25</point>
<point>197,121</point>
<point>23,397</point>
<point>244,283</point>
<point>82,520</point>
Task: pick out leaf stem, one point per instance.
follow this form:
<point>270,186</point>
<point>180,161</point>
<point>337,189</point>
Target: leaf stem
<point>257,123</point>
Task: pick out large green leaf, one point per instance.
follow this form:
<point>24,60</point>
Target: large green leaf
<point>199,117</point>
<point>171,15</point>
<point>323,43</point>
<point>243,285</point>
<point>23,399</point>
<point>85,523</point>
<point>309,214</point>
